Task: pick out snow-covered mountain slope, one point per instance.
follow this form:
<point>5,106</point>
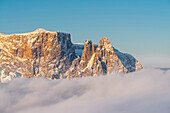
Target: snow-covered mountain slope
<point>52,55</point>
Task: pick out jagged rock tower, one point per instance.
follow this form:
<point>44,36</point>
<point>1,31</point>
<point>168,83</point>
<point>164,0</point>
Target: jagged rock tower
<point>103,60</point>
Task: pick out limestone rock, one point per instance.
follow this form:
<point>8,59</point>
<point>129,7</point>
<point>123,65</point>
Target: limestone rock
<point>52,55</point>
<point>102,60</point>
<point>37,53</point>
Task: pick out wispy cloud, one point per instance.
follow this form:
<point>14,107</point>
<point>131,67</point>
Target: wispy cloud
<point>145,91</point>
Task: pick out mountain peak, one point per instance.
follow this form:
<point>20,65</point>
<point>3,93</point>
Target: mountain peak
<point>105,44</point>
<point>105,39</point>
<point>40,30</point>
<point>87,42</point>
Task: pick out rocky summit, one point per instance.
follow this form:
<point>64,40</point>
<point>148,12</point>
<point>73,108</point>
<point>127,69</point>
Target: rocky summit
<point>53,55</point>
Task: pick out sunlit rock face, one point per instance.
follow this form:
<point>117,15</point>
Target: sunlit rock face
<point>39,53</point>
<point>52,55</point>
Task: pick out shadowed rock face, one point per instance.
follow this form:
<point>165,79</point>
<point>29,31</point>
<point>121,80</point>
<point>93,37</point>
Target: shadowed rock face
<point>52,55</point>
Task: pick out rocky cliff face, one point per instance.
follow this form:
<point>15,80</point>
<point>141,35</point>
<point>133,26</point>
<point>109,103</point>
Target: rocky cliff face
<point>52,55</point>
<point>103,60</point>
<point>39,53</point>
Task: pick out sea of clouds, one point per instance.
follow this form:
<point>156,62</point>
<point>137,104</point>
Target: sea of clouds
<point>145,91</point>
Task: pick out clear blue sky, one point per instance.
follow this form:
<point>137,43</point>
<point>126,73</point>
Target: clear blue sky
<point>138,27</point>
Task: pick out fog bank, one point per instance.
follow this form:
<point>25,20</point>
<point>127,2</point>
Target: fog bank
<point>145,91</point>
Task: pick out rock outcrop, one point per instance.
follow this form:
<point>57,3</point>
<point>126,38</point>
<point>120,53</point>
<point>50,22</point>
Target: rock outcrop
<point>103,60</point>
<point>52,55</point>
<point>39,53</point>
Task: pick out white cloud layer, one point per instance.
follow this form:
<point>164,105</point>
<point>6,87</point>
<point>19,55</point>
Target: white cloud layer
<point>145,91</point>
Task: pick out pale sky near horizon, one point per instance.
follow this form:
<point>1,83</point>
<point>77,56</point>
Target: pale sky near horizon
<point>137,27</point>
